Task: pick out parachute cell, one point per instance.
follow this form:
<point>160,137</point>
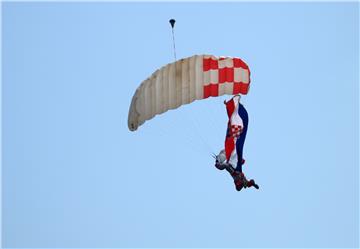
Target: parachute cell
<point>193,78</point>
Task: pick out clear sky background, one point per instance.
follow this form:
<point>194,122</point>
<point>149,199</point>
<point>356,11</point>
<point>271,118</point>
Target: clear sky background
<point>73,175</point>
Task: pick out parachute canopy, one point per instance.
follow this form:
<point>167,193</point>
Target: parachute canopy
<point>179,83</point>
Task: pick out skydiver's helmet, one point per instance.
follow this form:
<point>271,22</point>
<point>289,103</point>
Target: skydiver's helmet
<point>220,160</point>
<point>221,157</point>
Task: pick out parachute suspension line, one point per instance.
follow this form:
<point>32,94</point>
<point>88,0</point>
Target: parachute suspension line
<point>190,135</point>
<point>187,137</point>
<point>172,23</point>
<point>193,132</point>
<point>216,120</point>
<point>197,130</point>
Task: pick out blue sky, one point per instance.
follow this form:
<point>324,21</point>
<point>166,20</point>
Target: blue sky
<point>73,175</point>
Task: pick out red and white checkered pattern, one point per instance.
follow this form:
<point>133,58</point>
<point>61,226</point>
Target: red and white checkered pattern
<point>225,75</point>
<point>236,130</point>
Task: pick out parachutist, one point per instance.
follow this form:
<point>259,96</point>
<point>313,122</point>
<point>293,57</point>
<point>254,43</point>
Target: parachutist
<point>240,180</point>
<point>232,155</point>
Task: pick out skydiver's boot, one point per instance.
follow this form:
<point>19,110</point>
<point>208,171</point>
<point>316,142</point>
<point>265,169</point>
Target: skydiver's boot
<point>252,183</point>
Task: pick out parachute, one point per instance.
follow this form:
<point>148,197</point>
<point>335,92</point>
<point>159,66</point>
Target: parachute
<point>184,81</point>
